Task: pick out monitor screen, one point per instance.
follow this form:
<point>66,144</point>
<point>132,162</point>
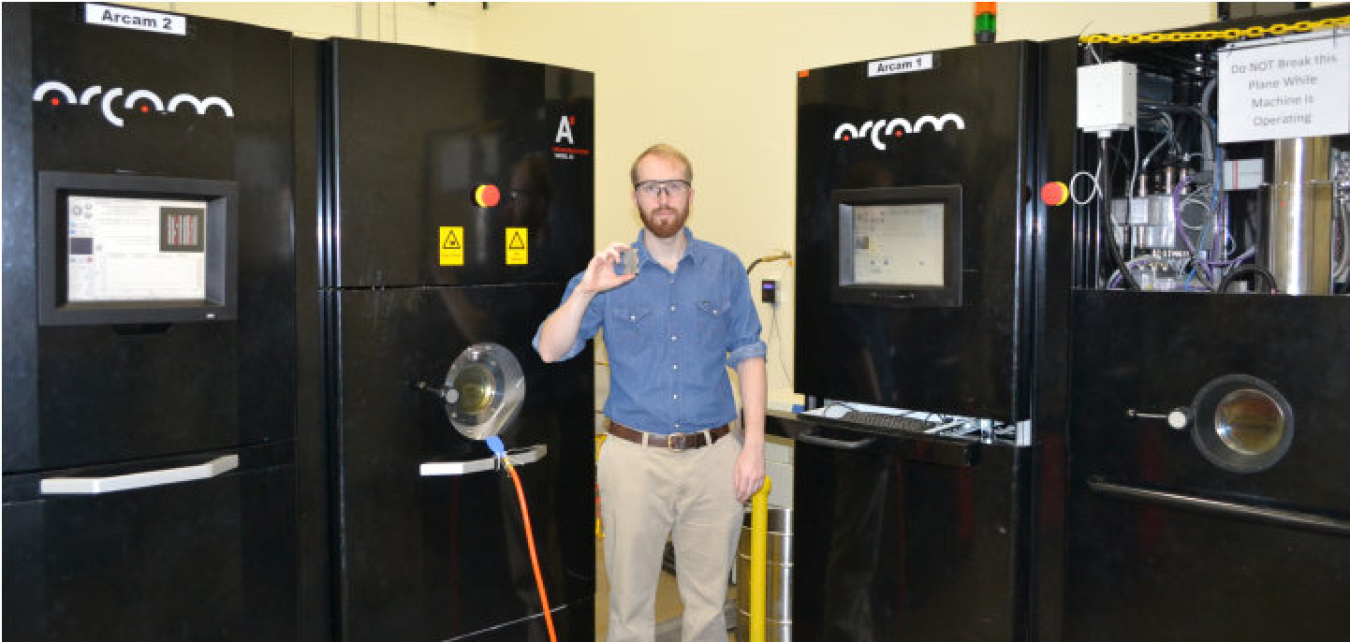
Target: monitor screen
<point>130,249</point>
<point>898,246</point>
<point>135,249</point>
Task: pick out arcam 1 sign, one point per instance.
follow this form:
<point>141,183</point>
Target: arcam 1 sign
<point>902,65</point>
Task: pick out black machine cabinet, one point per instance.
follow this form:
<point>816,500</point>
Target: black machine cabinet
<point>922,161</point>
<point>454,201</point>
<point>965,131</point>
<point>1206,437</point>
<point>202,113</point>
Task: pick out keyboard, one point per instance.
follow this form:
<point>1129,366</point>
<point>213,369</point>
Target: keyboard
<point>887,422</point>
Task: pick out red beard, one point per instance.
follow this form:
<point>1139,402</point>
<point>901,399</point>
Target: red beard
<point>661,222</point>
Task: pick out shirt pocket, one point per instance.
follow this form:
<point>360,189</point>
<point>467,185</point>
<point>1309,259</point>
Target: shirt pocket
<point>712,322</point>
<point>628,329</point>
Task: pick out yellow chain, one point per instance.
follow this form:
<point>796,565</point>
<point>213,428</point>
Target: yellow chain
<point>1226,34</point>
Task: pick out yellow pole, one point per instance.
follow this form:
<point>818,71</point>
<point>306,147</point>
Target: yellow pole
<point>759,535</point>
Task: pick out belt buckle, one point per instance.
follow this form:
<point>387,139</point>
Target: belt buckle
<point>677,438</point>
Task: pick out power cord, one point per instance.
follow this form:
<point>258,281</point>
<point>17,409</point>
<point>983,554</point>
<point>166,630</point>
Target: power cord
<point>494,443</point>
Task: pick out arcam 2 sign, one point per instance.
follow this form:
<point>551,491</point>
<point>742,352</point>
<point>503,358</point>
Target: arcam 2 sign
<point>123,18</point>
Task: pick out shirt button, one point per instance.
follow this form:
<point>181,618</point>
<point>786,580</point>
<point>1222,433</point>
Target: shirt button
<point>673,337</point>
<point>675,367</point>
<point>677,424</point>
<point>632,317</point>
<point>672,308</point>
<point>677,396</point>
<point>714,312</point>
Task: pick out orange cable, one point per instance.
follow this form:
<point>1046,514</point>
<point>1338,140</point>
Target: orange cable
<point>534,558</point>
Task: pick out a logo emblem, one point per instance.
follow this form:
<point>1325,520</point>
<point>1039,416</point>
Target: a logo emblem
<point>143,100</point>
<point>564,142</point>
<point>894,128</point>
<point>565,130</point>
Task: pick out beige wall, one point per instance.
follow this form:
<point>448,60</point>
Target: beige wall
<point>717,80</point>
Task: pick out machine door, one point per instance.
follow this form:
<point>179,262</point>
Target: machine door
<point>204,559</point>
<point>432,544</point>
<point>1209,496</point>
<point>903,538</point>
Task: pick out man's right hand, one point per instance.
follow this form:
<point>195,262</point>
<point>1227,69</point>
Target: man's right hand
<point>600,275</point>
<point>559,330</point>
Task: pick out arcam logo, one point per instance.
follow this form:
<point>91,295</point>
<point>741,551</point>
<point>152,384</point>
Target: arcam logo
<point>894,128</point>
<point>142,100</point>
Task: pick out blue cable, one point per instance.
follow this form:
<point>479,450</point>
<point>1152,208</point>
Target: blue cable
<point>496,446</point>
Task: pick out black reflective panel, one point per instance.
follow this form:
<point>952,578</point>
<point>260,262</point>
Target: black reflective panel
<point>419,131</point>
<point>1166,544</point>
<point>888,548</point>
<point>82,395</point>
<point>436,557</point>
<point>968,360</point>
<point>201,560</point>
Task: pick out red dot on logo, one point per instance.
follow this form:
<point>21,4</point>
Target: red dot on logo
<point>847,137</point>
<point>56,101</point>
<point>899,133</point>
<point>571,120</point>
<point>145,109</point>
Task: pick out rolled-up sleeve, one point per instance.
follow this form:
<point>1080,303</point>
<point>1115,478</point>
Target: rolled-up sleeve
<point>743,340</point>
<point>590,321</point>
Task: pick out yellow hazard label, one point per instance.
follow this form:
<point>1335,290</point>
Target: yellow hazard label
<point>517,246</point>
<point>452,245</point>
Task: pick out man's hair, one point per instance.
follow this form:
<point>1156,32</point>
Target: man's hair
<point>667,152</point>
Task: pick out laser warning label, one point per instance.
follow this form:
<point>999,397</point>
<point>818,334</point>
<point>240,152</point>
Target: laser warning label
<point>517,246</point>
<point>452,245</point>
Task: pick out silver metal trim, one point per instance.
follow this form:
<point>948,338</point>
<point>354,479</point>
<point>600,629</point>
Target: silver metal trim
<point>133,481</point>
<point>518,457</point>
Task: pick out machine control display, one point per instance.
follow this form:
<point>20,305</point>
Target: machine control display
<point>898,244</point>
<point>135,249</point>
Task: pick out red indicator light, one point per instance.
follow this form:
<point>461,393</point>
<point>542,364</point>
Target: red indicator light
<point>145,109</point>
<point>847,137</point>
<point>899,133</point>
<point>56,101</point>
<point>1054,193</point>
<point>487,196</point>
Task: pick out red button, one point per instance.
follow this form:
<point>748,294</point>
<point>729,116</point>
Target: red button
<point>487,196</point>
<point>1054,193</point>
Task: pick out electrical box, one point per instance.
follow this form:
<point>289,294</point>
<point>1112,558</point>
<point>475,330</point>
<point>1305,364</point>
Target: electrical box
<point>1107,97</point>
<point>768,291</point>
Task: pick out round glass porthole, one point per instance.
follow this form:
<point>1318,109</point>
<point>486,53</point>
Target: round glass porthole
<point>489,387</point>
<point>1242,423</point>
<point>1249,421</point>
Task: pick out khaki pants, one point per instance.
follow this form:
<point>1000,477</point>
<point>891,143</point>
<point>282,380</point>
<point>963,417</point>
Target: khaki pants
<point>648,493</point>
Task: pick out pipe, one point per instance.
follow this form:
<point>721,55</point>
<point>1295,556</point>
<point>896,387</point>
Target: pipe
<point>1298,217</point>
<point>759,537</point>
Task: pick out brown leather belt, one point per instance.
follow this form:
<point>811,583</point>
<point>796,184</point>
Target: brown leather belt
<point>677,442</point>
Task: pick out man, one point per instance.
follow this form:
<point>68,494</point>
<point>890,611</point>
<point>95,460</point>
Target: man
<point>671,331</point>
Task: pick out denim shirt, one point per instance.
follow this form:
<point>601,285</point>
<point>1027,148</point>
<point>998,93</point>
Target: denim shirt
<point>671,337</point>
